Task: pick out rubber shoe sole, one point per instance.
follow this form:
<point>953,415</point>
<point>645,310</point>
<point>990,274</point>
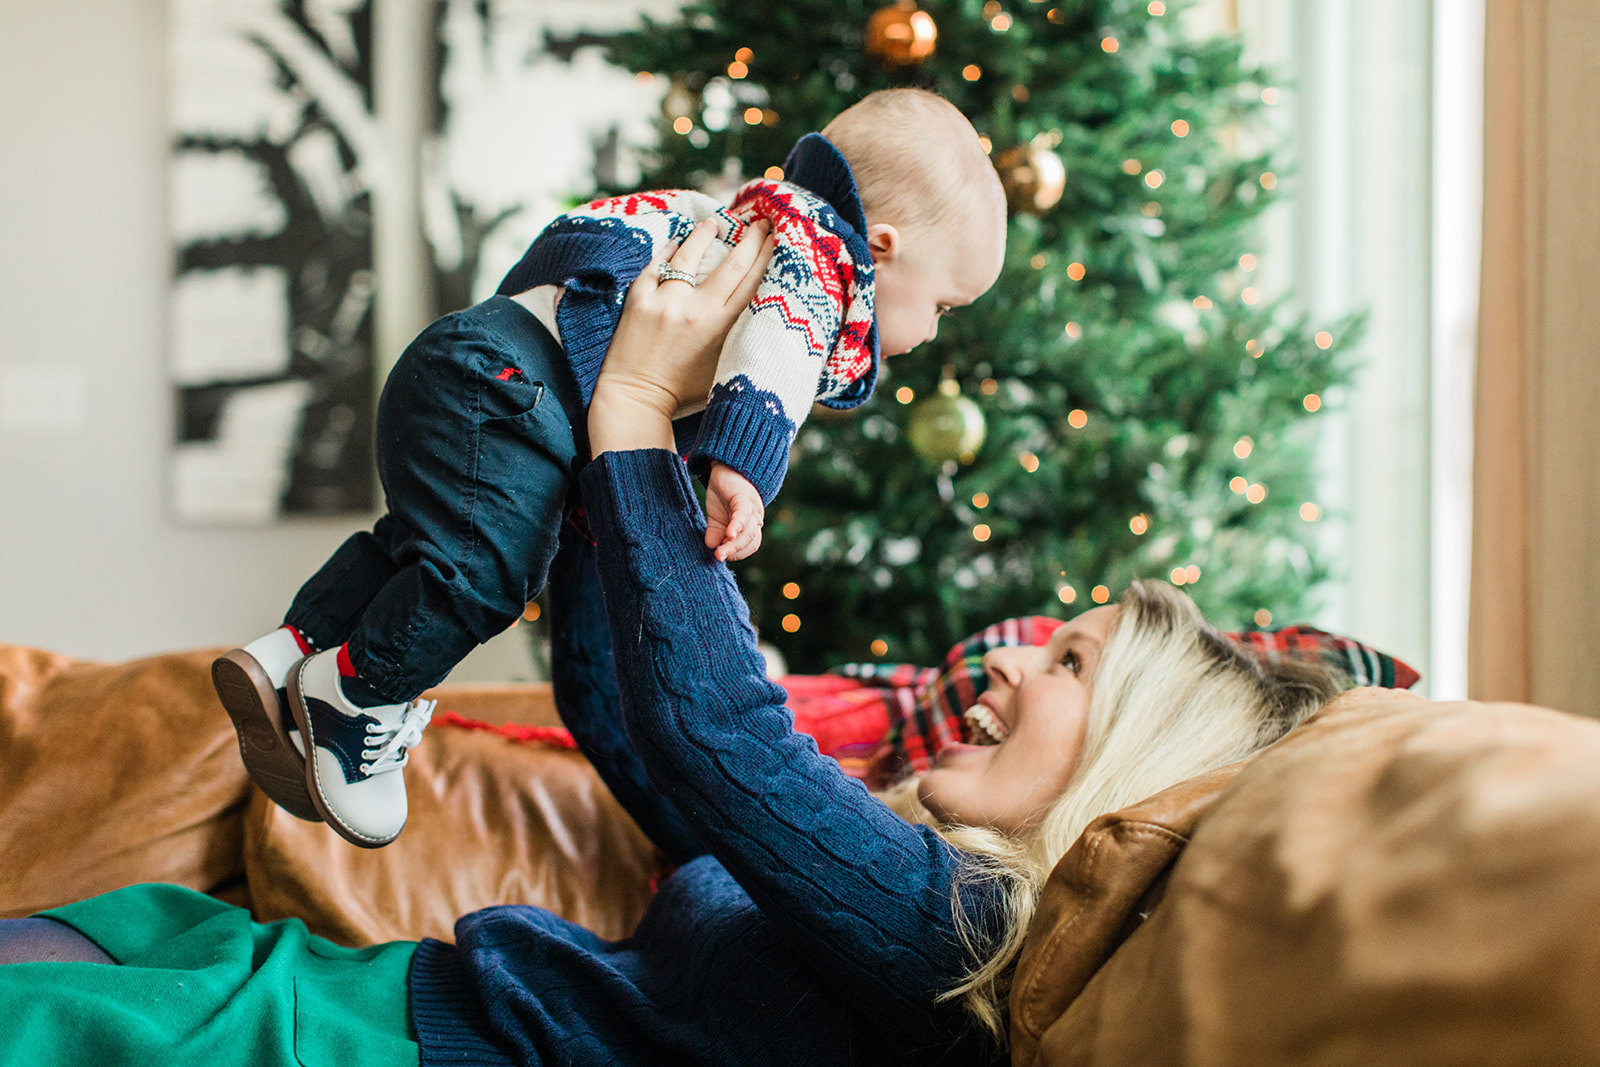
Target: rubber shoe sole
<point>270,757</point>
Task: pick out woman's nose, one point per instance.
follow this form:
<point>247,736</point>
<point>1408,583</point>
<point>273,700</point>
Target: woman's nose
<point>1004,665</point>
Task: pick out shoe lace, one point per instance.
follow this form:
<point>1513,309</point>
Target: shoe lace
<point>389,744</point>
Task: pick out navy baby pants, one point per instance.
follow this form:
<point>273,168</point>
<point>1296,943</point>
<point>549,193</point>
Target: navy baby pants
<point>477,453</point>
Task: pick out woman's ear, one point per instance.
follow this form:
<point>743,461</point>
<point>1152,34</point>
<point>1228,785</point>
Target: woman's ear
<point>884,241</point>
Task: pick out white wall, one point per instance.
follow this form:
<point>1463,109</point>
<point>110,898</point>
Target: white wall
<point>91,563</point>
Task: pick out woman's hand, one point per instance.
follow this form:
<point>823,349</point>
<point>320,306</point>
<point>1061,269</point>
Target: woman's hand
<point>666,346</point>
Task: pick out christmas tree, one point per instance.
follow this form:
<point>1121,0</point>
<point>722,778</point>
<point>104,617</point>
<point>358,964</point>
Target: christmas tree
<point>1123,403</point>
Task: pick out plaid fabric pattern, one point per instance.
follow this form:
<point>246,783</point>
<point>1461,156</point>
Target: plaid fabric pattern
<point>1349,659</point>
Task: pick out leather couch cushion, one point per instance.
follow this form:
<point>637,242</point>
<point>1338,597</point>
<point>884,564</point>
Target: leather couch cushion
<point>112,774</point>
<point>1397,882</point>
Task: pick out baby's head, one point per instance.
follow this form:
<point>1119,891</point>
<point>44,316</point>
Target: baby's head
<point>936,213</point>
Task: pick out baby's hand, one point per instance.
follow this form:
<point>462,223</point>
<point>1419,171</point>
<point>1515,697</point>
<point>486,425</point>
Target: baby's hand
<point>734,514</point>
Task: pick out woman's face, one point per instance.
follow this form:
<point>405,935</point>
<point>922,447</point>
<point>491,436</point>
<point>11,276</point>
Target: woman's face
<point>1030,726</point>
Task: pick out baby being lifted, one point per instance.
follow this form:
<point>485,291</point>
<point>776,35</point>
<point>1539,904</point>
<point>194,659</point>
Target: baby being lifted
<point>881,224</point>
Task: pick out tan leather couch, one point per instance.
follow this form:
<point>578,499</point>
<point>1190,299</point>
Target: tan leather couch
<point>1397,882</point>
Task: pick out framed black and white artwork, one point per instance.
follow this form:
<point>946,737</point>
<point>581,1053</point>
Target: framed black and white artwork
<point>278,157</point>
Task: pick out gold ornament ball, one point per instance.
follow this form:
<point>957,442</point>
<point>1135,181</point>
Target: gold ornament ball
<point>945,427</point>
<point>1033,177</point>
<point>900,35</point>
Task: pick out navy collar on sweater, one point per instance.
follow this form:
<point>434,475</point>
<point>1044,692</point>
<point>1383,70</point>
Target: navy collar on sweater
<point>815,164</point>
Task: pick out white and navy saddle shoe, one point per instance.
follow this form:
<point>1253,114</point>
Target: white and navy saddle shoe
<point>353,770</point>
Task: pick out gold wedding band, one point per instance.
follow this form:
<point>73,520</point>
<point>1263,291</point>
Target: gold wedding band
<point>668,273</point>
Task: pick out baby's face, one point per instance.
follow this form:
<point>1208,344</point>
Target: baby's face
<point>927,274</point>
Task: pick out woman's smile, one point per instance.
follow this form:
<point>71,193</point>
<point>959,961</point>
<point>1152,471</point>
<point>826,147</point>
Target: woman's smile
<point>984,725</point>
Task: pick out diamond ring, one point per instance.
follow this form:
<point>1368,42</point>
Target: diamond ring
<point>668,273</point>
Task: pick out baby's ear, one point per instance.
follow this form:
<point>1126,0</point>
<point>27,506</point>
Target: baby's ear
<point>884,241</point>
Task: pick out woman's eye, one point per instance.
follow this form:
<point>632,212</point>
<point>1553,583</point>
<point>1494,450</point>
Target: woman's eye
<point>1071,661</point>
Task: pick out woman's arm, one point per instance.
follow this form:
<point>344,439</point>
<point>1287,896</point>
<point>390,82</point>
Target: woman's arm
<point>583,674</point>
<point>867,896</point>
<point>584,681</point>
<point>864,895</point>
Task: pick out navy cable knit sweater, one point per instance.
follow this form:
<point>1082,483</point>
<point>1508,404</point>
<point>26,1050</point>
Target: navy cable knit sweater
<point>807,924</point>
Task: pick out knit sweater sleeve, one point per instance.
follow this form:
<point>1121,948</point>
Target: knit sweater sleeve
<point>866,898</point>
<point>584,683</point>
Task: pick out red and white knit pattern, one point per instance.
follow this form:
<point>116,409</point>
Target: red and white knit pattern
<point>807,335</point>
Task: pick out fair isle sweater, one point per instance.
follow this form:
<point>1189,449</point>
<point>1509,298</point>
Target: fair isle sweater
<point>805,923</point>
<point>810,334</point>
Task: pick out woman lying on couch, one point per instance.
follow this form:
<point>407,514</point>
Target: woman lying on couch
<point>806,922</point>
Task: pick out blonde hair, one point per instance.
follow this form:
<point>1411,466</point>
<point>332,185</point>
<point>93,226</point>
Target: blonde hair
<point>1172,698</point>
<point>917,161</point>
